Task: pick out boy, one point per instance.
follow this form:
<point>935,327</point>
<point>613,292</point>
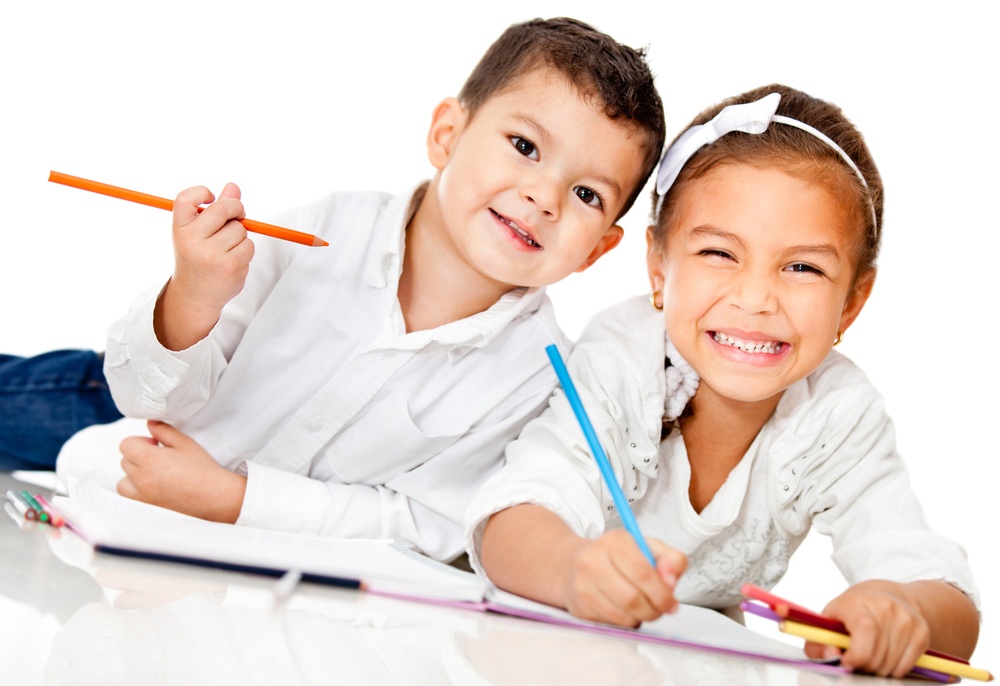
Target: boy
<point>366,389</point>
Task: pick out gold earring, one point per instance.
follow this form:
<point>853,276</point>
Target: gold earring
<point>652,299</point>
<point>839,339</point>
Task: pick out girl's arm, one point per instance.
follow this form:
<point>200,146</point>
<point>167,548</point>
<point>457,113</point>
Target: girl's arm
<point>892,624</point>
<point>531,552</point>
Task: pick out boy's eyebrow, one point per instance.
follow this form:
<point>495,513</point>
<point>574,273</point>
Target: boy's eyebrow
<point>541,134</point>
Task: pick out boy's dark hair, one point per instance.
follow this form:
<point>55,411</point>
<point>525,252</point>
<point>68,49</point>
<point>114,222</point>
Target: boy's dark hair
<point>798,153</point>
<point>594,63</point>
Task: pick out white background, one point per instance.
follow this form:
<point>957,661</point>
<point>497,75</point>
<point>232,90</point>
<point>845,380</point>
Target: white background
<point>291,100</point>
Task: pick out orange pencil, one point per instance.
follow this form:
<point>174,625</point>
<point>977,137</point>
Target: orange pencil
<point>165,204</point>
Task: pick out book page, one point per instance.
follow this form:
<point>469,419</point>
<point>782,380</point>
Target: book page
<point>106,519</point>
<point>691,625</point>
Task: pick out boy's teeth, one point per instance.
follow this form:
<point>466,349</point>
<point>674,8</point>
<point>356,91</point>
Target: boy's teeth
<point>520,232</point>
<point>770,347</point>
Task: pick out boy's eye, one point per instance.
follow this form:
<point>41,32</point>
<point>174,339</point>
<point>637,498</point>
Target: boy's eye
<point>588,196</point>
<point>525,147</point>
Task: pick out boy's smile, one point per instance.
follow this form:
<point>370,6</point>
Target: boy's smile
<point>758,272</point>
<point>529,188</point>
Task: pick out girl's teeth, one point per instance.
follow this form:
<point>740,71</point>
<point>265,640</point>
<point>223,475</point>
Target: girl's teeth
<point>767,347</point>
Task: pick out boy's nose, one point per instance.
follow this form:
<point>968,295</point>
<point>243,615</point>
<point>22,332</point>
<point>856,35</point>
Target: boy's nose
<point>544,194</point>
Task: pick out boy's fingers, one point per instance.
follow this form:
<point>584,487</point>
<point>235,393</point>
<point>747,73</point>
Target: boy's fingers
<point>126,488</point>
<point>188,201</point>
<point>231,190</point>
<point>164,434</point>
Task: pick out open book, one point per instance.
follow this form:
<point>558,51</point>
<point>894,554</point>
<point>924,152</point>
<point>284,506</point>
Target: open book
<point>115,525</point>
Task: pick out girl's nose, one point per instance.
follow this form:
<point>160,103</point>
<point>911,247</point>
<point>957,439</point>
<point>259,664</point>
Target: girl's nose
<point>755,293</point>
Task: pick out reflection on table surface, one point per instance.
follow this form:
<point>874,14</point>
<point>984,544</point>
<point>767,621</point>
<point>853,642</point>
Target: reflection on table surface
<point>72,617</point>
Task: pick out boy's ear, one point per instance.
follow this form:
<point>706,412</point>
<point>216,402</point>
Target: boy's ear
<point>447,123</point>
<point>609,240</point>
<point>856,300</point>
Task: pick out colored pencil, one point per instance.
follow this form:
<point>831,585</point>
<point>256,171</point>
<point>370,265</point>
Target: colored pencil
<point>165,204</point>
<point>22,506</point>
<point>55,519</point>
<point>786,609</point>
<point>839,640</point>
<point>624,511</point>
<point>41,514</point>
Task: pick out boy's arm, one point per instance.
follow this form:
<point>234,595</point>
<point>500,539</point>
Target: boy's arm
<point>530,551</point>
<point>892,624</point>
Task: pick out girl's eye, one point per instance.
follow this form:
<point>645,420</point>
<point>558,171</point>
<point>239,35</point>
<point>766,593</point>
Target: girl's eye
<point>525,147</point>
<point>588,196</point>
<point>800,268</point>
<point>714,252</point>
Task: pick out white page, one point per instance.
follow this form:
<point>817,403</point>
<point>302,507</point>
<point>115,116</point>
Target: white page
<point>105,518</point>
<point>690,624</point>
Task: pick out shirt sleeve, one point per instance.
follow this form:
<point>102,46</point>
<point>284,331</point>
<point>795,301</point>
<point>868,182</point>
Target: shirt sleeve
<point>860,495</point>
<point>149,381</point>
<point>550,464</point>
<point>422,507</point>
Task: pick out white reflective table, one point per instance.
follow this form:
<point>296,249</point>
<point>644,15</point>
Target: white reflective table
<point>72,617</point>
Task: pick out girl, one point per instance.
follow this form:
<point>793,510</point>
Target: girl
<point>768,214</point>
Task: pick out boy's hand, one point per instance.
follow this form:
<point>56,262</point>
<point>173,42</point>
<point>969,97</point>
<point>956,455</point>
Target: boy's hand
<point>211,260</point>
<point>171,470</point>
<point>611,581</point>
<point>888,632</point>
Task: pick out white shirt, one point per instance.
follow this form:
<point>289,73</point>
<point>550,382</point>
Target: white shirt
<point>345,424</point>
<point>826,459</point>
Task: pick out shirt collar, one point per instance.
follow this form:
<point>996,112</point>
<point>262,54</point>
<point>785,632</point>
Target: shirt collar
<point>386,264</point>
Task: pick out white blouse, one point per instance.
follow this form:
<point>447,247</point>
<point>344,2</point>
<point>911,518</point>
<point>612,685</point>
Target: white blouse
<point>826,459</point>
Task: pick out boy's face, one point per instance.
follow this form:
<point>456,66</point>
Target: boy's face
<point>529,188</point>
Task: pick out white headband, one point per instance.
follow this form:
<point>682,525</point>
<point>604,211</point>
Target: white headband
<point>751,117</point>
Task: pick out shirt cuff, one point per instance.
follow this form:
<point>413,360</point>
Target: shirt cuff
<point>282,501</point>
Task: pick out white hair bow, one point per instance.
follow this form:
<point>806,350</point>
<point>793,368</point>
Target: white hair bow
<point>751,117</point>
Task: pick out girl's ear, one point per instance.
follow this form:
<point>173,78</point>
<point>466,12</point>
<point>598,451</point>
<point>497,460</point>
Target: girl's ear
<point>447,122</point>
<point>856,300</point>
<point>654,261</point>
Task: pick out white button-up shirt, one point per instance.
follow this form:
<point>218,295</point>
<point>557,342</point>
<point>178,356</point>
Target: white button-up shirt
<point>345,424</point>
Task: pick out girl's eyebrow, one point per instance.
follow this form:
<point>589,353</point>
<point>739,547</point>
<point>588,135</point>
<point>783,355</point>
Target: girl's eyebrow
<point>712,232</point>
<point>819,249</point>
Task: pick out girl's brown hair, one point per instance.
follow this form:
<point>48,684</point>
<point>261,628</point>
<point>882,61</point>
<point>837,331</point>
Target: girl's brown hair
<point>799,153</point>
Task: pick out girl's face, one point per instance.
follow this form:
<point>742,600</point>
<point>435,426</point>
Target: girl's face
<point>757,273</point>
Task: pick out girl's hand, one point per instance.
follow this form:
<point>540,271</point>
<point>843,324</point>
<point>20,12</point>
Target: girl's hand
<point>888,631</point>
<point>611,581</point>
<point>171,470</point>
<point>211,261</point>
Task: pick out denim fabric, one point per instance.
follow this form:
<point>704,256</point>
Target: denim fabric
<point>46,399</point>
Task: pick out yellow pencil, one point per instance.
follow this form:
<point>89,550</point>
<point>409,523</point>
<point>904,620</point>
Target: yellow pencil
<point>833,638</point>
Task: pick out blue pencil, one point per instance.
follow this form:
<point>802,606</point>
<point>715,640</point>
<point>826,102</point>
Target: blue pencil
<point>624,511</point>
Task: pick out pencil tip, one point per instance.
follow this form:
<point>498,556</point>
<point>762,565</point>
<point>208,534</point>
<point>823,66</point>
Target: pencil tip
<point>319,242</point>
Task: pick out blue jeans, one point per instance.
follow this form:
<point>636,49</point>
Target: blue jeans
<point>46,399</point>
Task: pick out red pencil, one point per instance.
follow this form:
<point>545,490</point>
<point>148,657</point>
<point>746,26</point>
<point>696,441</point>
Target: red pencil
<point>55,519</point>
<point>786,609</point>
<point>165,204</point>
